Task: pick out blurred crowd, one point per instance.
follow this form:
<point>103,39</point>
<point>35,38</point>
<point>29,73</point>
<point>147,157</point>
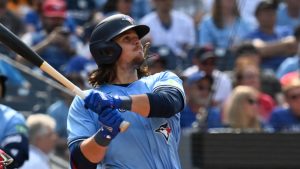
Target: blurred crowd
<point>238,59</point>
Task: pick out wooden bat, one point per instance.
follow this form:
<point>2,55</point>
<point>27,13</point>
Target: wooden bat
<point>17,45</point>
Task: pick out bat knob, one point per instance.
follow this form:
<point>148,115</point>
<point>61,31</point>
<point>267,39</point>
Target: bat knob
<point>124,126</point>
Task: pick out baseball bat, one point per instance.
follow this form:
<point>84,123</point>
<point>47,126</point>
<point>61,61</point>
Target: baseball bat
<point>17,45</point>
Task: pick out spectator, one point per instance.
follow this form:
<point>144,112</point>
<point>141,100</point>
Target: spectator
<point>290,64</point>
<point>140,8</point>
<point>288,14</point>
<point>223,28</point>
<point>205,59</point>
<point>42,139</point>
<point>33,17</point>
<point>156,64</point>
<point>81,11</point>
<point>273,42</point>
<point>249,75</point>
<point>12,22</point>
<point>247,54</point>
<point>13,131</point>
<point>56,44</point>
<point>247,9</point>
<point>117,6</point>
<point>198,111</point>
<point>193,8</point>
<point>287,119</point>
<point>241,110</point>
<point>171,29</point>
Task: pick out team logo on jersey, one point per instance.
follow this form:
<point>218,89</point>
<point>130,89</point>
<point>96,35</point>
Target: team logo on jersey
<point>165,130</point>
<point>122,110</point>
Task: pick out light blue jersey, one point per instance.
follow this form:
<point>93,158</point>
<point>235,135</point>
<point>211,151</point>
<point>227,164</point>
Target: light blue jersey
<point>11,122</point>
<point>149,143</point>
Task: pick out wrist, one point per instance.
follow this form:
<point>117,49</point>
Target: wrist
<point>124,102</point>
<point>102,137</point>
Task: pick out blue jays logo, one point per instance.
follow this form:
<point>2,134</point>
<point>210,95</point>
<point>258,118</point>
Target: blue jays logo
<point>165,130</point>
<point>129,19</point>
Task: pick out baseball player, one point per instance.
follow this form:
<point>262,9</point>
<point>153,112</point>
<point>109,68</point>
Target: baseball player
<point>151,104</point>
<point>13,132</point>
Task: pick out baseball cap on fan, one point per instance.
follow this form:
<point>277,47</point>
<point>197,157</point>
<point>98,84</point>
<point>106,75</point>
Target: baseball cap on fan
<point>290,80</point>
<point>204,53</point>
<point>55,8</point>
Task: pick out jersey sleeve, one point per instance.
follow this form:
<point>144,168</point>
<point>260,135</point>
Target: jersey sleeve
<point>167,80</point>
<point>81,123</point>
<point>16,125</point>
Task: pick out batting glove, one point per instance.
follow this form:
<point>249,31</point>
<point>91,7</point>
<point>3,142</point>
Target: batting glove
<point>110,120</point>
<point>98,101</point>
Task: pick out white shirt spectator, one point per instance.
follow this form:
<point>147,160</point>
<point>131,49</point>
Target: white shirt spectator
<point>181,32</point>
<point>247,9</point>
<point>37,159</point>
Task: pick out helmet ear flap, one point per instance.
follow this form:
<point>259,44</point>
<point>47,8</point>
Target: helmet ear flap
<point>105,53</point>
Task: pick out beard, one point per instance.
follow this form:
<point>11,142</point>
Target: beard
<point>138,60</point>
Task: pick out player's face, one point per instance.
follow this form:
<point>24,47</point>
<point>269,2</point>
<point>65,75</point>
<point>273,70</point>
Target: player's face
<point>132,49</point>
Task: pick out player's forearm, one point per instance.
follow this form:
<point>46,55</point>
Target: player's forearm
<point>92,151</point>
<point>163,103</point>
<point>140,104</point>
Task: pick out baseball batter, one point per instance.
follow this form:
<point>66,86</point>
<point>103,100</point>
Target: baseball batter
<point>123,91</point>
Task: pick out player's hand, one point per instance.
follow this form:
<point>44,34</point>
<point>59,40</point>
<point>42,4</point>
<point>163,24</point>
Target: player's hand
<point>98,101</point>
<point>110,120</point>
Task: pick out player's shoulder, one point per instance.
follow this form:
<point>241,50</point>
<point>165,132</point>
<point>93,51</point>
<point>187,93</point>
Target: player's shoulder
<point>10,114</point>
<point>161,75</point>
<point>168,74</point>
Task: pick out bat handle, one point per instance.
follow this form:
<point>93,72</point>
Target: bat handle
<point>124,124</point>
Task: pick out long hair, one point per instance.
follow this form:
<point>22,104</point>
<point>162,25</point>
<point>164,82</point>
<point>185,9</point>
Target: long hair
<point>105,74</point>
<point>217,15</point>
<point>235,112</point>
